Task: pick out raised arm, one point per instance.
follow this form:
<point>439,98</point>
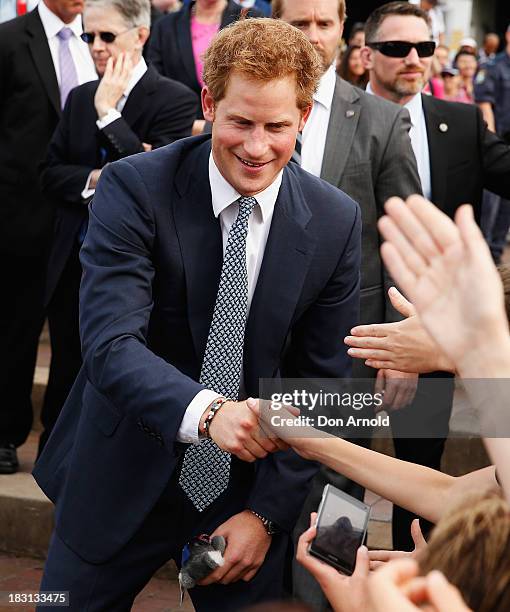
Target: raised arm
<point>421,490</point>
<point>437,262</point>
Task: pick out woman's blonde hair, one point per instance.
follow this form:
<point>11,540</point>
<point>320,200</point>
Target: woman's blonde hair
<point>471,546</point>
<point>263,50</point>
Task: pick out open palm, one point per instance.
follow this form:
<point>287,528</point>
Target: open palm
<point>447,272</point>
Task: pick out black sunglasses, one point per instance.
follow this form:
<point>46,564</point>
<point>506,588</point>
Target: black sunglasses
<point>401,48</point>
<point>107,37</point>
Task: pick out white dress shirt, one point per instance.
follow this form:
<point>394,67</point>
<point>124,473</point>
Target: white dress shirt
<point>225,206</point>
<point>115,113</point>
<point>419,141</point>
<point>82,59</point>
<point>316,128</point>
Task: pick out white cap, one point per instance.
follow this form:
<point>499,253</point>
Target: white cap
<point>468,42</point>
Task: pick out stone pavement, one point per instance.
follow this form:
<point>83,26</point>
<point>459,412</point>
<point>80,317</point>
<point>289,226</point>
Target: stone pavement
<point>24,574</point>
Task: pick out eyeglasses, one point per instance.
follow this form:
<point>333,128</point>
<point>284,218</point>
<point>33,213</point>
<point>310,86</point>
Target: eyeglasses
<point>401,48</point>
<point>107,37</point>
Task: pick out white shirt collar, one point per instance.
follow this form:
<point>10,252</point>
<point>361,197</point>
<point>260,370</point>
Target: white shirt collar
<point>223,194</point>
<point>138,71</point>
<point>326,89</point>
<point>53,24</point>
<point>414,106</point>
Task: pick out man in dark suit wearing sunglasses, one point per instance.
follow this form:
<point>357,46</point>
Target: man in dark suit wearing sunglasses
<point>457,158</point>
<point>130,110</point>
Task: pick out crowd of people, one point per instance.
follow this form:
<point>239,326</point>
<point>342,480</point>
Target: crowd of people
<point>196,197</point>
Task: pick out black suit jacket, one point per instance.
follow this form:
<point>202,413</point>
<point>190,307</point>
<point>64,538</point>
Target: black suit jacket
<point>158,111</point>
<point>29,113</point>
<point>152,260</point>
<point>170,49</point>
<point>465,156</point>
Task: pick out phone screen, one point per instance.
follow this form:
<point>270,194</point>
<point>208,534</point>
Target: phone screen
<point>341,528</point>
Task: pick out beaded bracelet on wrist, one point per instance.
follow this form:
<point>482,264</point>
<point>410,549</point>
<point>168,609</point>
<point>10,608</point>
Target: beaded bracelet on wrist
<point>213,409</point>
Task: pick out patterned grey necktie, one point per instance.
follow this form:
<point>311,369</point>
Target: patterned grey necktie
<point>206,468</point>
<point>68,74</point>
<point>296,154</point>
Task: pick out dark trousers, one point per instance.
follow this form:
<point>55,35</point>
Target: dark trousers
<point>65,343</point>
<point>495,223</point>
<point>113,586</point>
<point>419,436</point>
<point>21,321</point>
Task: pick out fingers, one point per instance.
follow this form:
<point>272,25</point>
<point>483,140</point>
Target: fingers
<point>250,574</point>
<point>471,235</point>
<point>237,572</point>
<point>362,567</point>
<point>383,556</point>
<point>397,266</point>
<point>380,382</point>
<point>366,341</point>
<point>253,405</point>
<point>433,222</point>
<point>380,364</point>
<point>368,353</point>
<point>399,302</point>
<point>417,535</point>
<point>305,539</point>
<point>218,573</point>
<point>390,394</point>
<point>378,330</point>
<point>412,257</point>
<point>109,68</point>
<point>417,232</point>
<point>444,595</point>
<point>385,584</point>
<point>119,63</point>
<point>321,572</point>
<point>378,558</point>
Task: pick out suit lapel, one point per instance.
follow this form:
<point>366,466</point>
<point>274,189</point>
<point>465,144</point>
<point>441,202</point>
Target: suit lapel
<point>41,55</point>
<point>136,102</point>
<point>284,268</point>
<point>183,27</point>
<point>199,235</point>
<point>343,122</point>
<point>437,150</point>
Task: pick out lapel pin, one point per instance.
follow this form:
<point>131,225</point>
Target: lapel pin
<point>349,113</point>
<point>443,127</point>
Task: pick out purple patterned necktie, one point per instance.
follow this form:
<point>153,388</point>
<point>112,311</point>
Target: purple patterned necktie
<point>68,76</point>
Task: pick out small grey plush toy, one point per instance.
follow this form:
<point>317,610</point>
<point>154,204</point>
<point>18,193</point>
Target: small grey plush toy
<point>201,557</point>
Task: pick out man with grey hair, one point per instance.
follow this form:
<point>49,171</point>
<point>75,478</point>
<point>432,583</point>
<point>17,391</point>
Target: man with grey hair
<point>130,110</point>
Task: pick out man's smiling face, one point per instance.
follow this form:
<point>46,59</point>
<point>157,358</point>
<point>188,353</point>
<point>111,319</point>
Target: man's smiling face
<point>254,130</point>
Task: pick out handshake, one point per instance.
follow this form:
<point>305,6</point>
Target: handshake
<point>244,429</point>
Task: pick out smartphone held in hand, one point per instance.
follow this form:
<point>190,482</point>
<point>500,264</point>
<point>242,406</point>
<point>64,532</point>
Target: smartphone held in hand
<point>342,523</point>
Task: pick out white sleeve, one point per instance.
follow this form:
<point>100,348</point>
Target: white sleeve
<point>87,192</point>
<point>188,431</point>
<point>111,116</point>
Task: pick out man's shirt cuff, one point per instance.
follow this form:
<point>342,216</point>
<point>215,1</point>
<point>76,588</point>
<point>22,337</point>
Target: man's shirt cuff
<point>188,431</point>
<point>111,116</point>
<point>87,191</point>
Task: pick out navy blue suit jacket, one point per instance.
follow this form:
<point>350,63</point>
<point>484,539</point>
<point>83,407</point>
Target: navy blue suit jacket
<point>152,260</point>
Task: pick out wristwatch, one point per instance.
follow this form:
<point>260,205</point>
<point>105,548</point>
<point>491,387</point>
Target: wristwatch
<point>270,526</point>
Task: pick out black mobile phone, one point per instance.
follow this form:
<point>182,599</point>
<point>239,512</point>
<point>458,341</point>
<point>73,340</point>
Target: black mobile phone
<point>342,523</point>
